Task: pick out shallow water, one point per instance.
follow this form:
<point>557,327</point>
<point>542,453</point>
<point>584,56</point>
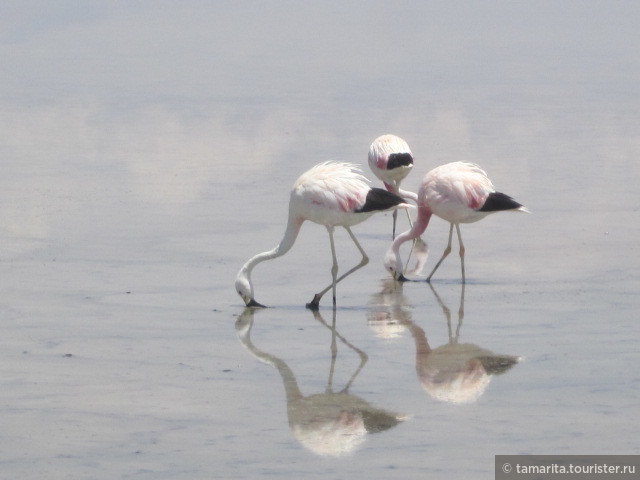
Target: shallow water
<point>148,152</point>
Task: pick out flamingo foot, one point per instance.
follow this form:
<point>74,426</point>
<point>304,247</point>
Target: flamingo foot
<point>315,303</point>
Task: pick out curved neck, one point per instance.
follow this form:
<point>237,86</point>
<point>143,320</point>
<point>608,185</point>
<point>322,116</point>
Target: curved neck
<point>289,381</point>
<point>418,228</point>
<point>291,233</point>
<point>406,194</point>
<point>394,187</point>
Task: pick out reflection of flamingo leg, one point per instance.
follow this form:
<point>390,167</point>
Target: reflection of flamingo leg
<point>447,312</point>
<point>460,310</point>
<point>334,350</point>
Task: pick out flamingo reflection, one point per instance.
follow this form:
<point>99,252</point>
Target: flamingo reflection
<point>333,423</point>
<point>389,311</point>
<point>455,372</point>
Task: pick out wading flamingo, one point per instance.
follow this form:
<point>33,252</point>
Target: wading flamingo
<point>331,194</point>
<point>457,192</point>
<point>390,160</point>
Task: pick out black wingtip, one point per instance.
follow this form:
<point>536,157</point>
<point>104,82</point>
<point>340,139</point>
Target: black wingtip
<point>499,364</point>
<point>399,160</point>
<point>498,201</point>
<point>379,199</point>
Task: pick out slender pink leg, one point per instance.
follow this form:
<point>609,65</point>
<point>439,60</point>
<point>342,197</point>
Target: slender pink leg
<point>447,251</point>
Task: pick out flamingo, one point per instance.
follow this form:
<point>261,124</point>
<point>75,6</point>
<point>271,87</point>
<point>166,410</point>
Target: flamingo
<point>390,160</point>
<point>330,194</point>
<point>458,192</point>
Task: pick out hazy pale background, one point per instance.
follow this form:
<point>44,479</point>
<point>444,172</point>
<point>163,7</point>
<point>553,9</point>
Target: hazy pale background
<point>147,149</point>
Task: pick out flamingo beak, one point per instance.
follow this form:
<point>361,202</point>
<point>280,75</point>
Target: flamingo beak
<point>253,303</point>
<point>402,278</point>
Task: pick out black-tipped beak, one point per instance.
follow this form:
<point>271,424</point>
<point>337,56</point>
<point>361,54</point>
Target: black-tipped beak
<point>402,278</point>
<point>253,303</point>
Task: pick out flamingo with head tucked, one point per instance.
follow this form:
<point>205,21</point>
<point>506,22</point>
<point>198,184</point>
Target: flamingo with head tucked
<point>457,192</point>
<point>331,194</point>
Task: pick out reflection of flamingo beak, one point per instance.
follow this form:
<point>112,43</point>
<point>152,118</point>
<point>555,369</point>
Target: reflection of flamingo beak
<point>379,421</point>
<point>253,303</point>
<point>499,364</point>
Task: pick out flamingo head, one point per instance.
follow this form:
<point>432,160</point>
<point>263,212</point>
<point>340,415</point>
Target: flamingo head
<point>393,264</point>
<point>245,289</point>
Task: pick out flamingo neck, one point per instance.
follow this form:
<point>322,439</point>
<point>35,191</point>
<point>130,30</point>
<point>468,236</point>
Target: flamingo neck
<point>391,187</point>
<point>291,233</point>
<point>394,187</point>
<point>406,194</point>
<point>419,226</point>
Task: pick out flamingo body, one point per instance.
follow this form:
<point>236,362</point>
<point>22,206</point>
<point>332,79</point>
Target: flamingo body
<point>330,194</point>
<point>391,160</point>
<point>336,194</point>
<point>457,192</point>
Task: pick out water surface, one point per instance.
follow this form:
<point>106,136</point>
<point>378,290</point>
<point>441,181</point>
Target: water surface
<point>148,151</point>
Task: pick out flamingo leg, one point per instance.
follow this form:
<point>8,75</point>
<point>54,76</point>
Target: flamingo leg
<point>315,303</point>
<point>395,218</point>
<point>413,243</point>
<point>447,251</point>
<point>408,217</point>
<point>461,251</point>
<point>334,268</point>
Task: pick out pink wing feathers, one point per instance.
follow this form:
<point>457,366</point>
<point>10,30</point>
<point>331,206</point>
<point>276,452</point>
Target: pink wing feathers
<point>462,183</point>
<point>336,186</point>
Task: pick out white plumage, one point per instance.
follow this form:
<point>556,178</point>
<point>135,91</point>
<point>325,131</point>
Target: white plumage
<point>330,194</point>
<point>457,192</point>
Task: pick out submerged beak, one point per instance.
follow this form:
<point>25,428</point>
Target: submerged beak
<point>402,278</point>
<point>253,303</point>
